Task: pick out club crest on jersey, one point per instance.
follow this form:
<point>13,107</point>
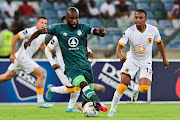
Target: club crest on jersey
<point>65,34</point>
<point>73,42</point>
<point>79,32</point>
<point>149,40</point>
<point>127,70</point>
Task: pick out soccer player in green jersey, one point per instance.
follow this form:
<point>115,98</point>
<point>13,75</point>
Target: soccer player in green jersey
<point>71,37</point>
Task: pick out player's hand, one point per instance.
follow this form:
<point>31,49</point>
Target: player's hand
<point>55,66</point>
<point>123,59</point>
<point>166,63</point>
<point>90,54</point>
<point>101,31</point>
<point>12,57</point>
<point>26,44</point>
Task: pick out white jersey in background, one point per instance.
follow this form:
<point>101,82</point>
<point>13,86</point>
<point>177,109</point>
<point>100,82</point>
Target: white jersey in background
<point>54,45</point>
<point>24,57</point>
<point>140,43</point>
<point>36,43</point>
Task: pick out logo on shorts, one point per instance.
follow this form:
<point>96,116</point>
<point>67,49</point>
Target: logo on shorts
<point>149,40</point>
<point>25,85</point>
<point>73,43</point>
<point>127,70</point>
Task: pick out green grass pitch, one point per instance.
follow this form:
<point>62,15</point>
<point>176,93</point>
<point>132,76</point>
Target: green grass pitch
<point>123,112</point>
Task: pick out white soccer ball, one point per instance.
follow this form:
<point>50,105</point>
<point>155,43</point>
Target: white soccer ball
<point>89,110</point>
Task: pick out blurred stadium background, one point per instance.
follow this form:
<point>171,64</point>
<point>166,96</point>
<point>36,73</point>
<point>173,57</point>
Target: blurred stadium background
<point>157,11</point>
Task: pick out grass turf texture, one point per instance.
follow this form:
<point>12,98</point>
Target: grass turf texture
<point>123,112</point>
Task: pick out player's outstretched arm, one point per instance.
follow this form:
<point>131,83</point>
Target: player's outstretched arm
<point>35,35</point>
<point>119,53</point>
<point>13,46</point>
<point>100,32</point>
<point>161,48</point>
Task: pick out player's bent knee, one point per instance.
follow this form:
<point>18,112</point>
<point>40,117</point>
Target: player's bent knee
<point>121,88</point>
<point>83,84</point>
<point>144,88</point>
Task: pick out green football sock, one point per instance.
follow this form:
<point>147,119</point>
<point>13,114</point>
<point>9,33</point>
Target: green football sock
<point>85,100</point>
<point>91,95</point>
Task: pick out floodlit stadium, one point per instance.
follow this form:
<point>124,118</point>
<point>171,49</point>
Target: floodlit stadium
<point>46,62</point>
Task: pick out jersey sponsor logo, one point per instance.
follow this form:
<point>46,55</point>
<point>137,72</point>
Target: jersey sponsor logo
<point>73,43</point>
<point>25,85</point>
<point>141,49</point>
<point>149,40</point>
<point>79,32</point>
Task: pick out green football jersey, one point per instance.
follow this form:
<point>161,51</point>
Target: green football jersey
<point>71,43</point>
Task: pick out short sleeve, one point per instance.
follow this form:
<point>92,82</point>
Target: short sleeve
<point>25,33</point>
<point>157,37</point>
<point>52,29</point>
<point>53,43</point>
<point>125,37</point>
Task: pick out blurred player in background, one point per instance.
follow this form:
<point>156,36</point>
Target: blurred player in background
<point>58,65</point>
<point>71,37</point>
<point>139,59</point>
<point>22,59</point>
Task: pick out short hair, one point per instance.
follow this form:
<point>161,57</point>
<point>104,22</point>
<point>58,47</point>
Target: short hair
<point>63,18</point>
<point>3,26</point>
<point>42,17</point>
<point>141,10</point>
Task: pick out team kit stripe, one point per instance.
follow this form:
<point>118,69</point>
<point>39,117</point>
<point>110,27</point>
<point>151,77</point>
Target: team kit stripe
<point>19,36</point>
<point>49,48</point>
<point>121,43</point>
<point>158,41</point>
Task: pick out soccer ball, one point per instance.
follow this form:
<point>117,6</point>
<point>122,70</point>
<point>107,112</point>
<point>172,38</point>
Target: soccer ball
<point>89,110</point>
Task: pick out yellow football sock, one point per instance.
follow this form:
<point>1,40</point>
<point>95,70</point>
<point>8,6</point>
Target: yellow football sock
<point>121,88</point>
<point>40,91</point>
<point>144,88</point>
<point>71,90</point>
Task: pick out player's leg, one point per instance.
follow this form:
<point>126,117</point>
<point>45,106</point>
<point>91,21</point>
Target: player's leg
<point>72,101</point>
<point>128,72</point>
<point>67,88</point>
<point>125,79</point>
<point>39,73</point>
<point>7,76</point>
<point>145,77</point>
<point>85,99</point>
<point>86,82</point>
